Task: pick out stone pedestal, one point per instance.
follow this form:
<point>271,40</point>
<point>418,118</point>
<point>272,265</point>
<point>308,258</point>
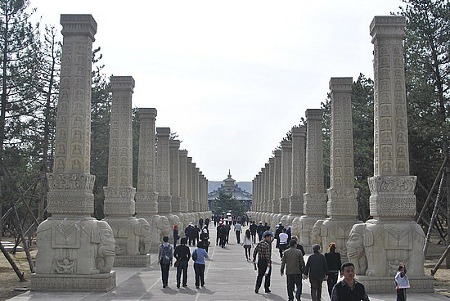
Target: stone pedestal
<point>73,283</point>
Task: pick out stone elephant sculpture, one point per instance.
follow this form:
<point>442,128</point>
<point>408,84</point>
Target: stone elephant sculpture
<point>143,230</point>
<point>81,246</point>
<point>379,247</point>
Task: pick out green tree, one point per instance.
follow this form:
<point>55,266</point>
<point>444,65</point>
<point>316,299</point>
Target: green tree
<point>427,57</point>
<point>226,203</point>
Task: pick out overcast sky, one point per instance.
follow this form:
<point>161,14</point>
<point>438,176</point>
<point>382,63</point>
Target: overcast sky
<point>230,77</point>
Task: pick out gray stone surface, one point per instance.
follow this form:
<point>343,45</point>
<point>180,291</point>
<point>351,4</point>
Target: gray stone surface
<point>228,276</point>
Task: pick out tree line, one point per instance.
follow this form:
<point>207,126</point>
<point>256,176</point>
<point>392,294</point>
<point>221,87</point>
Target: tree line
<point>29,78</point>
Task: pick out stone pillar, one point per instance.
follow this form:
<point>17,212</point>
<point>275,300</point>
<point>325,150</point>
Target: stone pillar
<point>342,205</point>
<point>183,185</point>
<point>298,169</point>
<point>298,176</point>
<point>163,180</point>
<point>189,185</point>
<point>315,199</point>
<point>174,148</point>
<point>392,236</point>
<point>132,235</point>
<point>76,251</point>
<point>146,195</point>
<point>277,181</point>
<point>286,182</point>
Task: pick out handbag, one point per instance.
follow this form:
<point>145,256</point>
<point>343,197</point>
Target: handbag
<point>175,264</point>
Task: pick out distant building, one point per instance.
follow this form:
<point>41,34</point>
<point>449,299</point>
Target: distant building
<point>232,189</point>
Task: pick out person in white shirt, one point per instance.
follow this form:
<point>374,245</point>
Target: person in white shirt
<point>247,244</point>
<point>283,241</point>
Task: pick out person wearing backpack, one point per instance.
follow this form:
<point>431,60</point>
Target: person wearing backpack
<point>198,256</point>
<point>165,257</point>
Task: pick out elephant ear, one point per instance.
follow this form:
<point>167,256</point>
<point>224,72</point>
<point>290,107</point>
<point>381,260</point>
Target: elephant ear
<point>138,228</point>
<point>367,238</point>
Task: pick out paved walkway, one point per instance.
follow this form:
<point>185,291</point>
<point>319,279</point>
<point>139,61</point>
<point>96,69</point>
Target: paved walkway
<point>228,276</point>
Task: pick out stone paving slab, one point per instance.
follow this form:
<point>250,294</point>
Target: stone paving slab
<point>228,276</point>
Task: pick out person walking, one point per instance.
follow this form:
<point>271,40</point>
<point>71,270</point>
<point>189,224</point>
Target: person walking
<point>182,254</point>
<point>253,228</point>
<point>402,283</point>
<point>175,235</point>
<point>294,263</point>
<point>238,230</point>
<point>247,244</point>
<point>165,257</point>
<point>204,237</point>
<point>349,289</point>
<point>282,241</point>
<point>317,270</point>
<point>199,256</point>
<point>260,230</point>
<point>264,252</point>
<point>334,265</point>
<point>299,246</point>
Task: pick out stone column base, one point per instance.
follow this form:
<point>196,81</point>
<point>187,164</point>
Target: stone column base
<point>386,285</point>
<point>73,283</point>
<point>132,261</point>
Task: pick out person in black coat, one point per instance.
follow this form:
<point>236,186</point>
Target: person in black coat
<point>317,270</point>
<point>182,254</point>
<point>253,228</point>
<point>334,265</point>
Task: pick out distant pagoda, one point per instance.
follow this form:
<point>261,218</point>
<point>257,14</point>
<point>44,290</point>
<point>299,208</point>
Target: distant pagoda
<point>230,188</point>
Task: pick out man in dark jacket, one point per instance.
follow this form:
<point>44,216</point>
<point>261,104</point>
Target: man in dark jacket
<point>253,228</point>
<point>182,253</point>
<point>317,270</point>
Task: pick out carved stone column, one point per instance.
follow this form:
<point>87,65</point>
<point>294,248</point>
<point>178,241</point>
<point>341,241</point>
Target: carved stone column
<point>132,235</point>
<point>189,186</point>
<point>342,206</point>
<point>392,236</point>
<point>163,179</point>
<point>298,187</point>
<point>76,251</point>
<point>276,181</point>
<point>146,195</point>
<point>286,182</point>
<point>315,199</point>
<point>298,169</point>
<point>174,148</point>
<point>183,185</point>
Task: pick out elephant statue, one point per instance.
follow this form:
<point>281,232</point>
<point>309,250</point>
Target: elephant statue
<point>143,230</point>
<point>383,245</point>
<point>79,246</point>
<point>316,235</point>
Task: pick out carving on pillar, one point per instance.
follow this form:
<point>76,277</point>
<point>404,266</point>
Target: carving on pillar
<point>286,171</point>
<point>163,170</point>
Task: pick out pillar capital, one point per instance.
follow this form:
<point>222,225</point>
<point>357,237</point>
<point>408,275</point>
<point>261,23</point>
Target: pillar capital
<point>78,25</point>
<point>387,27</point>
<point>163,131</point>
<point>147,113</point>
<point>174,144</point>
<point>122,83</point>
<point>298,131</point>
<point>341,84</point>
<point>314,114</point>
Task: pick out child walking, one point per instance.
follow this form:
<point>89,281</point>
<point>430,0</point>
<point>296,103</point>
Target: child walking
<point>402,283</point>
